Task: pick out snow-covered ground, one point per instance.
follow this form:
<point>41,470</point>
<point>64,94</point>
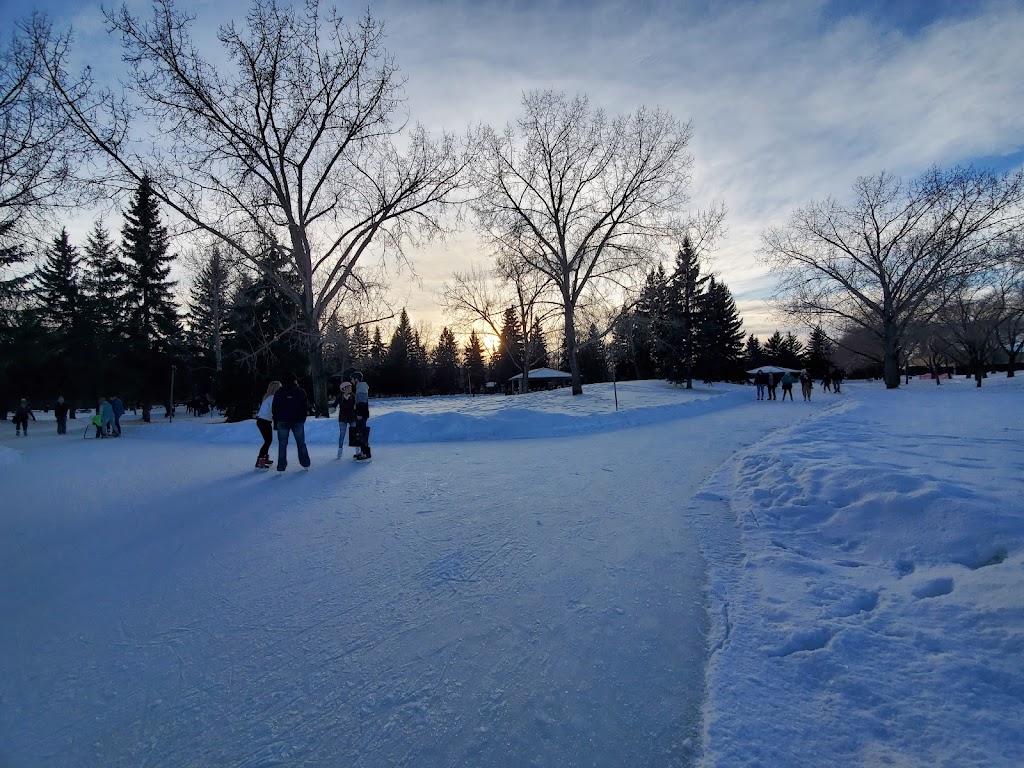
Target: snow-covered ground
<point>696,579</point>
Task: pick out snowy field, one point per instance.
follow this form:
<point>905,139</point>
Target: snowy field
<point>697,579</point>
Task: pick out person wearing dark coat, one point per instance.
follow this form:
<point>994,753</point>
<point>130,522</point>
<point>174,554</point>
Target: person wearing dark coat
<point>118,407</point>
<point>60,411</point>
<point>362,415</point>
<point>761,381</point>
<point>289,411</point>
<point>21,417</point>
<point>346,403</point>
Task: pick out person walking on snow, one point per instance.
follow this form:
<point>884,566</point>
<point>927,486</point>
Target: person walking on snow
<point>773,382</point>
<point>346,403</point>
<point>60,411</point>
<point>289,409</point>
<point>806,384</point>
<point>787,386</point>
<point>118,407</point>
<point>760,381</point>
<point>21,417</point>
<point>106,413</point>
<point>362,415</point>
<point>264,422</point>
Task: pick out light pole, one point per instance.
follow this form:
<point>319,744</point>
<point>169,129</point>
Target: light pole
<point>170,403</point>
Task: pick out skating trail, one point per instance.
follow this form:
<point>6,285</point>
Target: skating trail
<point>502,602</point>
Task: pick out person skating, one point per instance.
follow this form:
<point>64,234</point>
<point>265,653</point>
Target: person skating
<point>264,422</point>
<point>21,417</point>
<point>837,381</point>
<point>118,408</point>
<point>806,385</point>
<point>761,382</point>
<point>787,386</point>
<point>60,412</point>
<point>826,382</point>
<point>106,413</point>
<point>346,403</point>
<point>362,415</point>
<point>289,411</point>
<point>773,383</point>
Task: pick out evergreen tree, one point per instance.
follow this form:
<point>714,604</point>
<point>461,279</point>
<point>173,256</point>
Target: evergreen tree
<point>207,322</point>
<point>359,348</point>
<point>538,345</point>
<point>262,340</point>
<point>753,354</point>
<point>20,334</point>
<point>103,303</point>
<point>337,348</point>
<point>446,364</point>
<point>643,335</point>
<point>378,354</point>
<point>476,370</point>
<point>774,350</point>
<point>58,296</point>
<point>153,332</point>
<point>507,360</point>
<point>819,353</point>
<point>720,336</point>
<point>593,357</point>
<point>419,365</point>
<point>792,351</point>
<point>684,316</point>
<point>399,375</point>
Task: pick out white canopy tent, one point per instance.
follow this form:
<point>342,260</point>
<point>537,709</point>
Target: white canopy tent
<point>774,369</point>
<point>540,375</point>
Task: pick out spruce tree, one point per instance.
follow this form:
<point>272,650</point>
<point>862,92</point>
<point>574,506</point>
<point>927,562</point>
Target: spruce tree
<point>684,307</point>
<point>819,353</point>
<point>476,370</point>
<point>208,309</point>
<point>720,336</point>
<point>103,305</point>
<point>538,345</point>
<point>593,357</point>
<point>58,297</point>
<point>507,360</point>
<point>153,331</point>
<point>399,376</point>
<point>446,364</point>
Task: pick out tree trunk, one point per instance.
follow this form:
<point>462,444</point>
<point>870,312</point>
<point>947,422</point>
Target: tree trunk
<point>891,357</point>
<point>318,372</point>
<point>570,350</point>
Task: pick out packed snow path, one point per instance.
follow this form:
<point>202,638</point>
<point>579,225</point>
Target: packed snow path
<point>522,602</point>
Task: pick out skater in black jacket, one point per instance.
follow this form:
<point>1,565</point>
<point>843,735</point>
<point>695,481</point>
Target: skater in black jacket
<point>362,415</point>
<point>60,410</point>
<point>346,403</point>
<point>21,415</point>
<point>289,411</point>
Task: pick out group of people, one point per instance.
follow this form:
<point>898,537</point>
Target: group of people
<point>107,419</point>
<point>284,409</point>
<point>768,381</point>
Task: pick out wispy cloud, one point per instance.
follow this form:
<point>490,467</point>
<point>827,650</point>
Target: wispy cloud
<point>791,100</point>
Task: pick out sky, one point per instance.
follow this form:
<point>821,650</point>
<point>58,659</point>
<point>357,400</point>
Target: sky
<point>687,578</point>
<point>790,101</point>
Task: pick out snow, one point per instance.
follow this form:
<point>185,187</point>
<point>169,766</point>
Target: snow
<point>697,578</point>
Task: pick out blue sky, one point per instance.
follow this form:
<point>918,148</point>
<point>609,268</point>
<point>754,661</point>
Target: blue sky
<point>790,100</point>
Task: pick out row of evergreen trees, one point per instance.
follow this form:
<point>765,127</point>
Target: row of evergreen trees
<point>95,321</point>
<point>103,319</point>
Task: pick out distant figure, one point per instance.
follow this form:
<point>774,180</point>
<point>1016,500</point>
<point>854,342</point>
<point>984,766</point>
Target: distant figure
<point>761,382</point>
<point>289,411</point>
<point>265,424</point>
<point>60,410</point>
<point>346,403</point>
<point>787,386</point>
<point>806,385</point>
<point>837,380</point>
<point>21,417</point>
<point>362,416</point>
<point>773,382</point>
<point>826,382</point>
<point>106,418</point>
<point>118,406</point>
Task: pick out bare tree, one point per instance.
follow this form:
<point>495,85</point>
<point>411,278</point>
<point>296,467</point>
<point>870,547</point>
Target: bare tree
<point>580,198</point>
<point>483,296</point>
<point>882,260</point>
<point>292,139</point>
<point>36,148</point>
